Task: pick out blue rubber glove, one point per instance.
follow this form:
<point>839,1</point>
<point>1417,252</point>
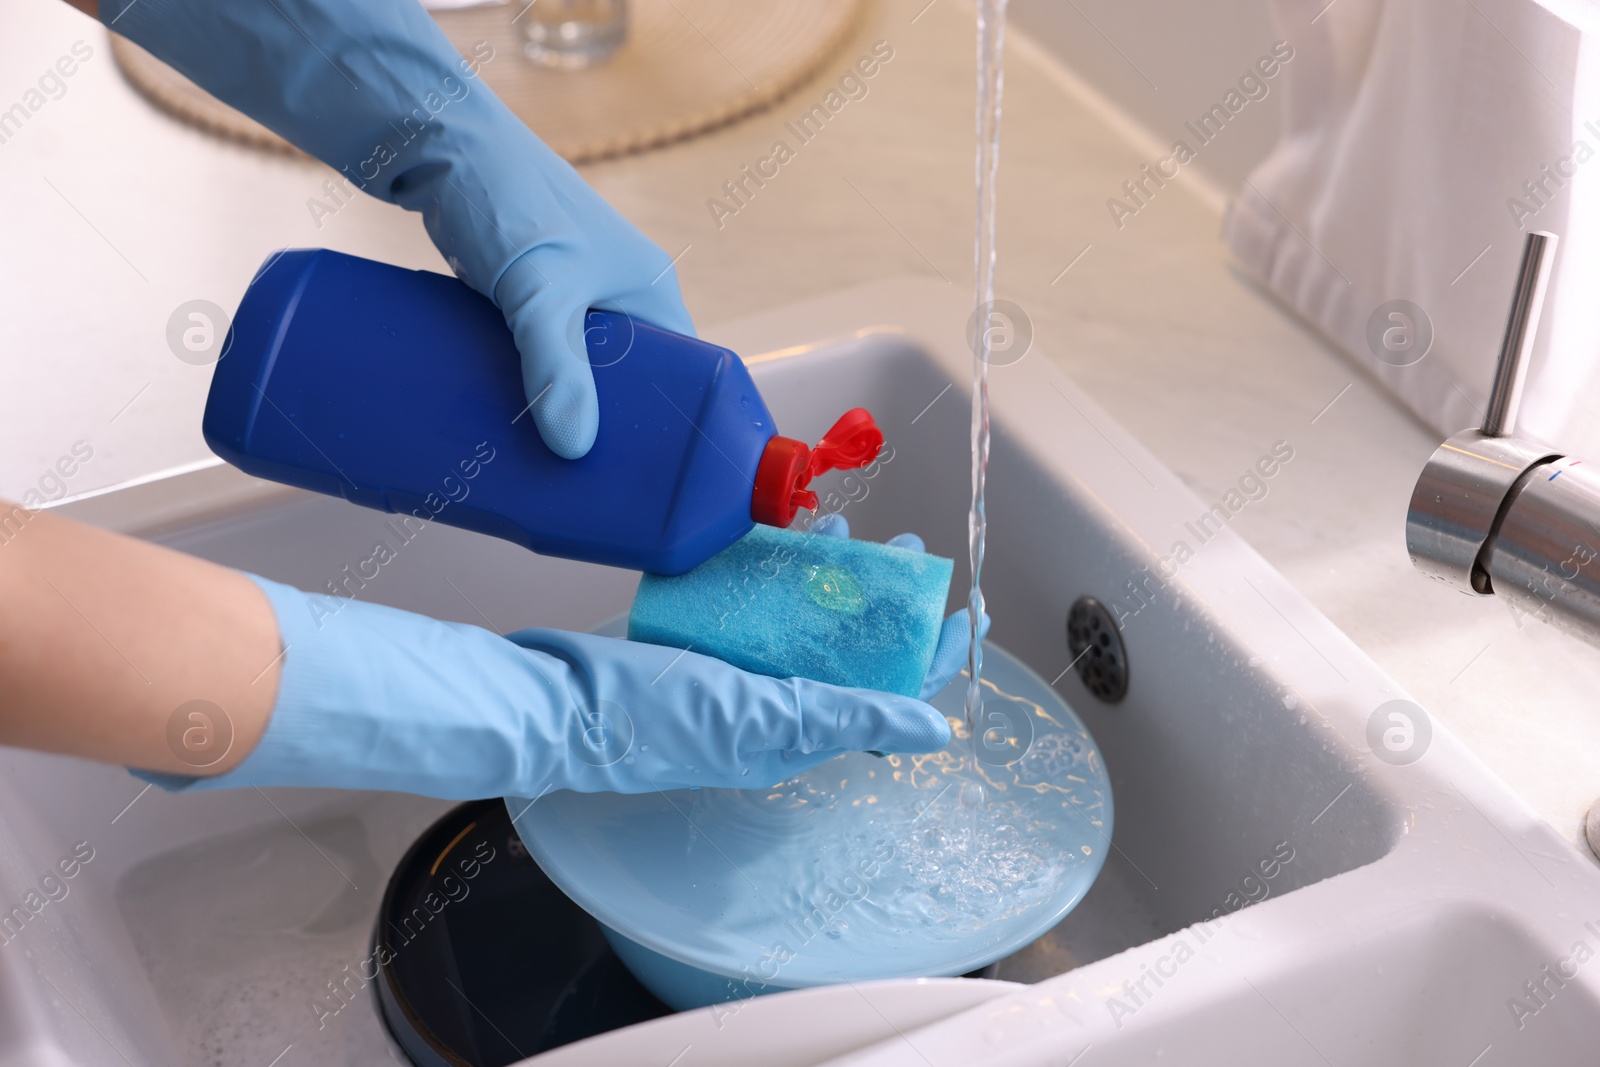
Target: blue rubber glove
<point>950,654</point>
<point>374,89</point>
<point>376,698</point>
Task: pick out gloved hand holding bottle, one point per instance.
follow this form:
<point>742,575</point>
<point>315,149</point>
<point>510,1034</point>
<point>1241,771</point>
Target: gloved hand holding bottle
<point>376,91</point>
<point>116,649</point>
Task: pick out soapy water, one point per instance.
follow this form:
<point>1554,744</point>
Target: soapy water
<point>991,85</point>
<point>862,867</point>
<point>955,844</point>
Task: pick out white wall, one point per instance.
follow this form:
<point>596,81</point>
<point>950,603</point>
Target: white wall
<point>1176,59</point>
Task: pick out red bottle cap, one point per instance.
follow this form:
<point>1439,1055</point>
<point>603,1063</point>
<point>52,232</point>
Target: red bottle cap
<point>787,466</point>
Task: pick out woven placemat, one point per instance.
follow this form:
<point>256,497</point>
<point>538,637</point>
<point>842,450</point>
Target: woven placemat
<point>688,66</point>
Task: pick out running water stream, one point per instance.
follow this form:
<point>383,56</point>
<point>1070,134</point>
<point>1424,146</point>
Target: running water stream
<point>991,83</point>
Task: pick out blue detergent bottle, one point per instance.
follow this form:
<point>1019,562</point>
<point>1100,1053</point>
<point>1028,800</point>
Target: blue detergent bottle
<point>401,390</point>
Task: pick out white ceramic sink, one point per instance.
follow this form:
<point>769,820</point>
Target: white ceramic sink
<point>1395,913</point>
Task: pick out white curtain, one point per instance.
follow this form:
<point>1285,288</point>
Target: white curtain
<point>1423,139</point>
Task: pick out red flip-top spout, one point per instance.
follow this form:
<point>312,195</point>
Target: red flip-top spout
<point>787,466</point>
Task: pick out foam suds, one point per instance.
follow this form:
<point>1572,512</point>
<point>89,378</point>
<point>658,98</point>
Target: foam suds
<point>954,844</point>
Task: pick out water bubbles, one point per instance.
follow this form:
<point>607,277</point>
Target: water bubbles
<point>1054,758</point>
<point>920,853</point>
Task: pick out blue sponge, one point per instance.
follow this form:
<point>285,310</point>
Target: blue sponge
<point>786,604</point>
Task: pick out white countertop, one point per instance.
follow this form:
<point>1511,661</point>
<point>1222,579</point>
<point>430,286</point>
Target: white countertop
<point>118,214</point>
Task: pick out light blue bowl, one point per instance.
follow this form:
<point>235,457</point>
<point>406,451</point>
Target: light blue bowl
<point>860,869</point>
<point>679,985</point>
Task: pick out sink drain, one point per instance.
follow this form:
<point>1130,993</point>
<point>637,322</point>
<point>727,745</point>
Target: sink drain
<point>1097,649</point>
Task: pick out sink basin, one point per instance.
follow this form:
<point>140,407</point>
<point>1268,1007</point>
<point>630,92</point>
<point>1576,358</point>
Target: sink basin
<point>1276,891</point>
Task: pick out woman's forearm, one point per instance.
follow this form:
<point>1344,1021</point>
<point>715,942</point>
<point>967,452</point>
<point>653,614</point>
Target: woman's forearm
<point>104,638</point>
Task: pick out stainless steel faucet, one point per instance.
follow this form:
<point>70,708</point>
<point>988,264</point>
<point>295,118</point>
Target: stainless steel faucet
<point>1495,514</point>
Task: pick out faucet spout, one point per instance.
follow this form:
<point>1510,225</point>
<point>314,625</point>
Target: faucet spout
<point>1496,513</point>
